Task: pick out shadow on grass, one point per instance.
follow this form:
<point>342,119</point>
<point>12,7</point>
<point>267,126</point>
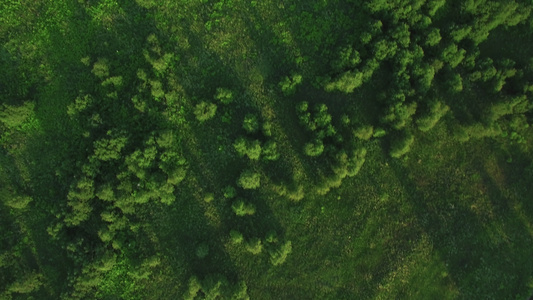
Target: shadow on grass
<point>485,248</point>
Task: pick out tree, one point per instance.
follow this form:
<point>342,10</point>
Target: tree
<point>236,237</point>
<point>433,37</point>
<point>250,123</point>
<point>254,246</point>
<point>225,96</point>
<point>202,250</point>
<point>437,110</point>
<point>241,208</point>
<point>205,111</point>
<point>364,132</point>
<point>278,257</point>
<point>401,145</point>
<point>270,151</point>
<point>288,84</point>
<point>249,180</point>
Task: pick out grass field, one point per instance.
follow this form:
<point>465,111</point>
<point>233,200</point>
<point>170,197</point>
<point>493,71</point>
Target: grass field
<point>114,183</point>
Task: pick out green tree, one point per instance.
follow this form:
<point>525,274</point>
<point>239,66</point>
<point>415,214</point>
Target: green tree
<point>250,123</point>
<point>225,96</point>
<point>314,148</point>
<point>241,208</point>
<point>402,144</point>
<point>254,246</point>
<point>205,111</point>
<point>249,180</point>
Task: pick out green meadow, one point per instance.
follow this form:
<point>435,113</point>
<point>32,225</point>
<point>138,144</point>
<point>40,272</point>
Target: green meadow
<point>242,149</point>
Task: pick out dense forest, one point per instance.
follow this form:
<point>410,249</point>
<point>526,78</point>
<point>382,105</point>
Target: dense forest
<point>243,149</point>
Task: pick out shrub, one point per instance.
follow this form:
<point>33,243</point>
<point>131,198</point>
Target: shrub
<point>250,123</point>
<point>254,246</point>
<point>236,237</point>
<point>249,180</point>
<point>240,208</point>
<point>205,111</point>
<point>402,145</point>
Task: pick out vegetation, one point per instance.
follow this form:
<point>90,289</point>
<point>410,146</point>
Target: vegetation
<point>222,149</point>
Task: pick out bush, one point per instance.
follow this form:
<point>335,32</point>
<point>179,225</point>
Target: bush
<point>402,145</point>
<point>249,180</point>
<point>240,208</point>
<point>254,246</point>
<point>205,111</point>
<point>236,237</point>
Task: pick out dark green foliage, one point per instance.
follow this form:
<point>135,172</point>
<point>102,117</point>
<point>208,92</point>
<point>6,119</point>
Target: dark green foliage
<point>202,250</point>
<point>205,111</point>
